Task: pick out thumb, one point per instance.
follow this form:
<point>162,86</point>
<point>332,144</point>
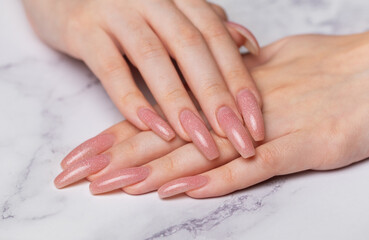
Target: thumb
<point>240,35</point>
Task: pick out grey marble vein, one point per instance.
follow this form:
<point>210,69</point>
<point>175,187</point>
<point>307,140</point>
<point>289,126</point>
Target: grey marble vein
<point>237,205</point>
<point>6,206</point>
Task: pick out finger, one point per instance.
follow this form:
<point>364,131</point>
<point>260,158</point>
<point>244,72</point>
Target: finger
<point>238,38</point>
<point>266,54</point>
<point>163,81</point>
<point>132,152</point>
<point>243,37</point>
<point>285,155</point>
<point>202,73</point>
<point>229,60</point>
<point>100,143</point>
<point>181,162</point>
<point>240,35</point>
<point>104,59</point>
<point>184,161</point>
<point>219,11</point>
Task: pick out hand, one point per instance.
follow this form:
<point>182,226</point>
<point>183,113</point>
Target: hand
<point>148,32</point>
<point>316,112</point>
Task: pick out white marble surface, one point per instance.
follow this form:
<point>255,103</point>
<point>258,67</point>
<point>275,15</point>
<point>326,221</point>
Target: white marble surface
<point>49,103</point>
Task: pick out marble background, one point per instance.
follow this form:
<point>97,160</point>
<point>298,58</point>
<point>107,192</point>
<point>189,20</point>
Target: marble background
<point>49,103</point>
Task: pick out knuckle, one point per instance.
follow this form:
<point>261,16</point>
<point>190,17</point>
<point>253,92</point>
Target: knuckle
<point>235,74</point>
<point>213,89</point>
<point>177,162</point>
<point>111,68</point>
<point>189,36</point>
<point>175,94</point>
<point>131,23</point>
<point>76,20</point>
<point>223,143</point>
<point>150,48</point>
<point>336,146</point>
<point>131,148</point>
<point>130,97</point>
<point>268,159</point>
<point>214,31</point>
<point>81,17</point>
<point>77,25</point>
<point>169,163</point>
<point>228,175</point>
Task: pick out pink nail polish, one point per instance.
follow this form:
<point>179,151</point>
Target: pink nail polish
<point>90,148</point>
<point>250,41</point>
<point>235,132</point>
<point>119,179</point>
<point>251,113</point>
<point>156,124</point>
<point>199,134</point>
<point>81,169</point>
<point>182,185</point>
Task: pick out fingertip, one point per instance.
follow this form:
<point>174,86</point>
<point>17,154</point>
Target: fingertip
<point>238,39</point>
<point>93,189</point>
<point>89,148</point>
<point>252,114</point>
<point>158,125</point>
<point>249,40</point>
<point>199,134</point>
<point>199,193</point>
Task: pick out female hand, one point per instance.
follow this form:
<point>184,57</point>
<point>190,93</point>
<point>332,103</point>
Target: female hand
<point>316,109</point>
<point>148,32</point>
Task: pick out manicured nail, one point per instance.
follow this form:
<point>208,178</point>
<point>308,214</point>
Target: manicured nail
<point>90,148</point>
<point>156,124</point>
<point>81,169</point>
<point>119,179</point>
<point>250,41</point>
<point>182,185</point>
<point>251,113</point>
<point>199,134</point>
<point>235,131</point>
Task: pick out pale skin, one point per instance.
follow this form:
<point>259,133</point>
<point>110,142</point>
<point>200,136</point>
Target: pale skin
<point>149,33</point>
<point>316,110</point>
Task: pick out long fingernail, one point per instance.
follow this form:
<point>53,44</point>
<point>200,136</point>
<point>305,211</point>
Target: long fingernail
<point>81,169</point>
<point>156,123</point>
<point>182,185</point>
<point>250,41</point>
<point>251,113</point>
<point>235,132</point>
<point>119,179</point>
<point>90,148</point>
<point>199,134</point>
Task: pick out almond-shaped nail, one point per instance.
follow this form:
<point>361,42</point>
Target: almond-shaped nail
<point>119,179</point>
<point>235,131</point>
<point>182,185</point>
<point>89,148</point>
<point>199,134</point>
<point>81,169</point>
<point>250,41</point>
<point>251,113</point>
<point>156,123</point>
